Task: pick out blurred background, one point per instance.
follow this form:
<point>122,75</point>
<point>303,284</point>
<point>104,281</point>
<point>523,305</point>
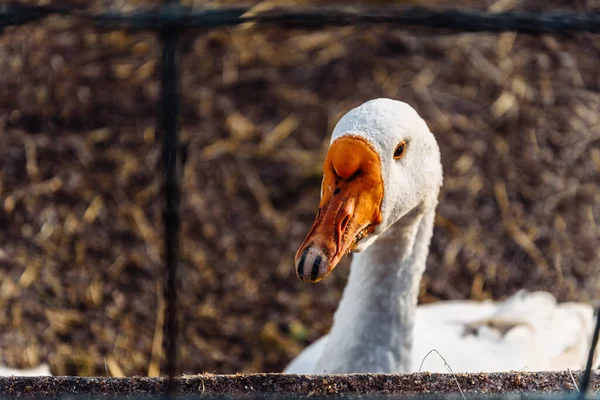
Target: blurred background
<point>517,119</point>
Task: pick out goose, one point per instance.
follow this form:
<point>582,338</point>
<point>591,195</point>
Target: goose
<point>382,177</point>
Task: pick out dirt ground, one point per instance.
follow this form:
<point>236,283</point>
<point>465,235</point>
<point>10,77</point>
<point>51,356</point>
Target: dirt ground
<point>517,119</point>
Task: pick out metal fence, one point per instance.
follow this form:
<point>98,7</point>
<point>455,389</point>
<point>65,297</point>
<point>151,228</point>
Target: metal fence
<point>171,19</point>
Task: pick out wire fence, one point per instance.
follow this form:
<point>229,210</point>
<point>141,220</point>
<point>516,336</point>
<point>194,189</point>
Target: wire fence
<point>171,19</point>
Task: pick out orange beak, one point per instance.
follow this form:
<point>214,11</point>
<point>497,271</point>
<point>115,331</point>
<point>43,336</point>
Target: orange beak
<point>350,207</point>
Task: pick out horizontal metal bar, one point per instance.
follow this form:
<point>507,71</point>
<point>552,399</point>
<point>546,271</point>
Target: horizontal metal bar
<point>425,386</point>
<point>173,15</point>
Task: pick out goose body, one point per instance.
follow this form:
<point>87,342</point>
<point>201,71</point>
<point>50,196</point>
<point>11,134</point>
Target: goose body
<point>382,177</point>
<point>490,336</point>
<point>40,370</point>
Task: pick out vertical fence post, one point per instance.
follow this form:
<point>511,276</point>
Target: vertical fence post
<point>587,373</point>
<point>171,221</point>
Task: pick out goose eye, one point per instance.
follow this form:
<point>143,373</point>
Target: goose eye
<point>400,150</point>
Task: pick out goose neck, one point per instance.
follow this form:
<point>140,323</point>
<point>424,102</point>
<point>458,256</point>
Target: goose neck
<point>372,329</point>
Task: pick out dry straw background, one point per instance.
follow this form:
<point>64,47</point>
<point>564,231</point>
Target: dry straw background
<point>517,119</point>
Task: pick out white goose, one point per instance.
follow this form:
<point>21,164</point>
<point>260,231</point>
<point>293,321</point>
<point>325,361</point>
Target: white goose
<point>382,177</point>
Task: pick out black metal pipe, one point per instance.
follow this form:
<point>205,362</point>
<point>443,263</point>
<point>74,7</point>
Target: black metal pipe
<point>587,374</point>
<point>171,221</point>
<point>453,20</point>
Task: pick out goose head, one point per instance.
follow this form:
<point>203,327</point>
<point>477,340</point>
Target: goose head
<point>383,164</point>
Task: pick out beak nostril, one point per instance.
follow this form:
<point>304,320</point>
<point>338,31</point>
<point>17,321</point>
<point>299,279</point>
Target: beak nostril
<point>344,223</point>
